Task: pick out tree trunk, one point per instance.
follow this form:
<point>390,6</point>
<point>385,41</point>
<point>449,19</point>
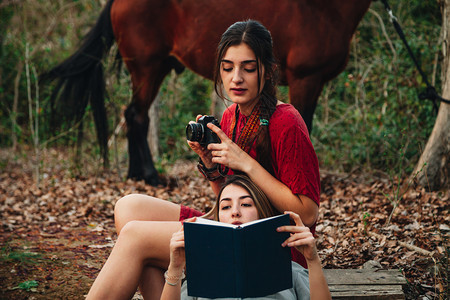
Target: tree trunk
<point>433,168</point>
<point>153,129</point>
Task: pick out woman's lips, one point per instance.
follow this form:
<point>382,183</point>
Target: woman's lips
<point>237,223</point>
<point>238,92</point>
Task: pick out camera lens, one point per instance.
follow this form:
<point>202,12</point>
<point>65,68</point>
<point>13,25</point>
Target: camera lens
<point>194,132</point>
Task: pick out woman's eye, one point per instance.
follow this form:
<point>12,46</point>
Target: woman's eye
<point>225,207</point>
<point>246,204</point>
<point>227,69</point>
<point>250,70</point>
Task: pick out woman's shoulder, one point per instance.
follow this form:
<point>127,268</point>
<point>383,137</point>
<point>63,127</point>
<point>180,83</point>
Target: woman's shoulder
<point>287,117</point>
<point>287,112</point>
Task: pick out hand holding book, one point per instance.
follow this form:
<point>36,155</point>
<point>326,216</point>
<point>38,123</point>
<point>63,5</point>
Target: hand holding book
<point>301,237</point>
<point>177,261</point>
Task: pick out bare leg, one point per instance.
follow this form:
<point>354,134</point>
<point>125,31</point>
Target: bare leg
<point>137,207</point>
<point>140,244</point>
<point>152,282</point>
<point>146,208</point>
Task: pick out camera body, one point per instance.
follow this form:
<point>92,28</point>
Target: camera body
<point>199,132</point>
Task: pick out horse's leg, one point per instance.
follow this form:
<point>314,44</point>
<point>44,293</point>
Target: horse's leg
<point>146,81</point>
<point>303,95</point>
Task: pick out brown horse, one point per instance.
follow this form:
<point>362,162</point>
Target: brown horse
<point>311,40</point>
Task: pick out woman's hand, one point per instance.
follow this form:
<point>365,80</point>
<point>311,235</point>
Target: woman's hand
<point>203,152</point>
<point>177,253</point>
<point>301,237</point>
<point>228,153</point>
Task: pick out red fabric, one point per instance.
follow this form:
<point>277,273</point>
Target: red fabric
<point>294,160</point>
<point>187,212</point>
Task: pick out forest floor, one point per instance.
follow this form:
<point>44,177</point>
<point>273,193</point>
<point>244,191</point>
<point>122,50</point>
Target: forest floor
<point>55,236</point>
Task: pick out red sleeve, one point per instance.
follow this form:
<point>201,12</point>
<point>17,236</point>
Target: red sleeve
<point>295,161</point>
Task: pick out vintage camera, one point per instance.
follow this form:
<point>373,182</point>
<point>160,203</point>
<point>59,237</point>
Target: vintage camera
<point>199,132</point>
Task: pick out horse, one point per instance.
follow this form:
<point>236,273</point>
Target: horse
<point>311,41</point>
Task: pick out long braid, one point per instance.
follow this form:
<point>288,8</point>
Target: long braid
<point>263,143</point>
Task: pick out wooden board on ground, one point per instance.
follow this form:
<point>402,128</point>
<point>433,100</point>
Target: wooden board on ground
<point>365,283</point>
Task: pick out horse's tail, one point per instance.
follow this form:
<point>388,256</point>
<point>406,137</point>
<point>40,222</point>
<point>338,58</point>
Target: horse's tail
<point>80,80</point>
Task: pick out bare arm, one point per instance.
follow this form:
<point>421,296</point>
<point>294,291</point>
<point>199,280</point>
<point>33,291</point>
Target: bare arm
<point>172,286</point>
<point>302,239</point>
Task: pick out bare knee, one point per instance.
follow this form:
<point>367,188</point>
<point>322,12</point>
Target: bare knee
<point>126,210</point>
<point>147,241</point>
<point>130,241</point>
<point>143,208</point>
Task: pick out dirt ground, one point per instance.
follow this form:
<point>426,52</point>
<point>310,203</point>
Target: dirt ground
<point>55,236</point>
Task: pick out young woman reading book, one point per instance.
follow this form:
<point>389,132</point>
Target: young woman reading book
<point>260,136</point>
<point>241,201</point>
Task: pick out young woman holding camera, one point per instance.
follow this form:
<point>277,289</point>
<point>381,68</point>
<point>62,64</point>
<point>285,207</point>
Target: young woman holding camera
<point>260,136</point>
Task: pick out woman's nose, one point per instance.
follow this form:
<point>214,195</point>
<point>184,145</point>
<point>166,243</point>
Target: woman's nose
<point>237,77</point>
<point>235,212</point>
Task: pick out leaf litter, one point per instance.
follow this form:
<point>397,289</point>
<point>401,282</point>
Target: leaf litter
<point>55,237</point>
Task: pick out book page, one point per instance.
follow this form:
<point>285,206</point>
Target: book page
<point>214,223</point>
<point>259,220</point>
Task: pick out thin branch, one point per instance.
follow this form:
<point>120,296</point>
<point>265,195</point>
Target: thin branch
<point>36,126</point>
<point>54,138</point>
<point>15,105</point>
<point>27,72</point>
<point>403,244</point>
<point>383,29</point>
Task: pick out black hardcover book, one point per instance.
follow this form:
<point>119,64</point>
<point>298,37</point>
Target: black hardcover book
<point>225,260</point>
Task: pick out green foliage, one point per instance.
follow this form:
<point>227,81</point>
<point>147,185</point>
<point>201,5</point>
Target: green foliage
<point>50,31</point>
<point>370,115</point>
<point>29,285</point>
<point>183,97</point>
<point>22,257</point>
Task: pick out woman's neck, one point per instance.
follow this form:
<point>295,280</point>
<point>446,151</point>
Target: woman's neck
<point>246,109</point>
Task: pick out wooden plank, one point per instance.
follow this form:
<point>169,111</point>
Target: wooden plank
<point>364,277</point>
<point>365,284</point>
<point>367,292</point>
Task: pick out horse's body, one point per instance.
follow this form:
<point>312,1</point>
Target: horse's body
<point>311,41</point>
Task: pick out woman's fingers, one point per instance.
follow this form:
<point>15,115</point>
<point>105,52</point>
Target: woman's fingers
<point>295,217</point>
<point>191,220</point>
<point>293,229</point>
<point>178,244</point>
<point>222,136</point>
<point>179,235</point>
<point>297,237</point>
<point>308,241</point>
